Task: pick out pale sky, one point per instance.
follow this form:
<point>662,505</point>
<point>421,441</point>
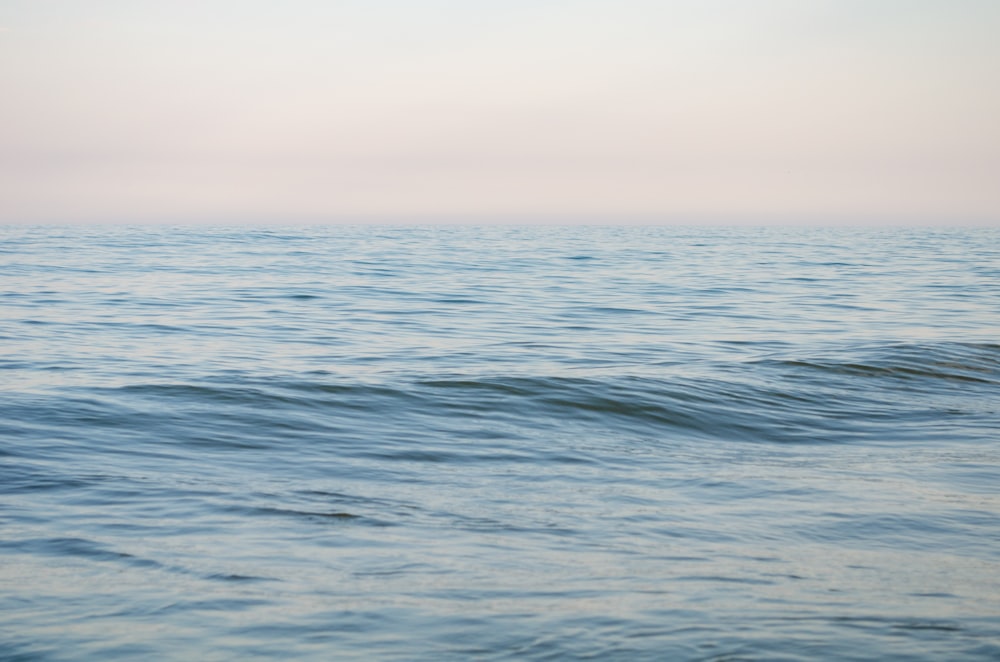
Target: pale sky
<point>309,110</point>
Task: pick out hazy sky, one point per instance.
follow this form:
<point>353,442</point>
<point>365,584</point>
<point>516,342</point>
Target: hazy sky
<point>305,110</point>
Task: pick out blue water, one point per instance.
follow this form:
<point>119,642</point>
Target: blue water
<point>457,443</point>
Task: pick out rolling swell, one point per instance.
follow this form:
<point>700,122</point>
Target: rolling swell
<point>866,393</point>
<point>948,361</point>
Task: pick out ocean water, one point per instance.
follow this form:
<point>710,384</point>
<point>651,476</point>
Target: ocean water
<point>459,443</point>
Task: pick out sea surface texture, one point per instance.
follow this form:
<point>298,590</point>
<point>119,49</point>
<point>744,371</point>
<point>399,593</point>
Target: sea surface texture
<point>458,443</point>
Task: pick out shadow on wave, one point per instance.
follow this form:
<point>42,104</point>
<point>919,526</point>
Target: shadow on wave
<point>935,362</point>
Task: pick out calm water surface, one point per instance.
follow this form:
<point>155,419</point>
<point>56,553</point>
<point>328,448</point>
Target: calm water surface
<point>499,443</point>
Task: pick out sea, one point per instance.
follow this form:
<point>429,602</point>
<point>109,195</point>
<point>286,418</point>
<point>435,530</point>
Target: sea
<point>499,443</point>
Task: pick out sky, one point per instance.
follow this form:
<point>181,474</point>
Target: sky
<point>811,111</point>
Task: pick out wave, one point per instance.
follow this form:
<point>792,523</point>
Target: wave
<point>962,362</point>
<point>877,391</point>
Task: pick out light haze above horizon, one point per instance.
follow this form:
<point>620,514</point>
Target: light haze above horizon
<point>802,111</point>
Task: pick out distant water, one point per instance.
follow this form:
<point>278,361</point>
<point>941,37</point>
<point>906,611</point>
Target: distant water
<point>499,444</point>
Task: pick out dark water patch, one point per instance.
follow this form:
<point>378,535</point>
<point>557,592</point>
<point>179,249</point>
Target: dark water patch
<point>24,478</point>
<point>461,301</point>
<point>943,371</point>
<point>725,580</point>
<point>311,515</point>
<point>74,547</point>
<point>458,458</point>
<point>238,578</point>
<point>916,625</point>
